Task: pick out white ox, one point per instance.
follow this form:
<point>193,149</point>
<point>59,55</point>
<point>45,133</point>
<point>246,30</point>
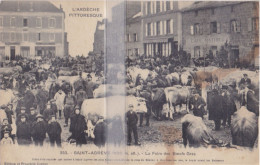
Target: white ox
<point>109,108</point>
<point>177,95</point>
<point>109,90</point>
<point>134,71</point>
<point>173,79</point>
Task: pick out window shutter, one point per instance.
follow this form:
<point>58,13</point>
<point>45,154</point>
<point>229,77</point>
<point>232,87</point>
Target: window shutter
<point>164,6</point>
<point>155,6</point>
<point>151,7</point>
<point>146,30</point>
<point>192,30</point>
<point>171,26</point>
<point>249,24</point>
<point>161,27</point>
<point>155,28</point>
<point>218,27</point>
<point>146,8</point>
<point>165,24</point>
<point>171,3</point>
<point>161,7</point>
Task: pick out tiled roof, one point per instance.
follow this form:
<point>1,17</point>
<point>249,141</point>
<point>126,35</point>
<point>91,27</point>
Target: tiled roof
<point>209,4</point>
<point>28,6</point>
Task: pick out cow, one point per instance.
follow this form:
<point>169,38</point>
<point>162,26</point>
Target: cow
<point>158,100</point>
<point>106,107</point>
<point>134,72</point>
<point>195,132</point>
<point>177,95</point>
<point>186,79</point>
<point>244,128</point>
<point>105,90</point>
<point>173,79</point>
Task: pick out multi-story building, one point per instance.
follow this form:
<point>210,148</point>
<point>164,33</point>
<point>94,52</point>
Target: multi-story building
<point>209,25</point>
<point>133,34</point>
<point>31,28</point>
<point>161,26</point>
<point>98,45</point>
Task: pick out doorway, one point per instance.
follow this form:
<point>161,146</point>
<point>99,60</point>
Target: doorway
<point>12,53</point>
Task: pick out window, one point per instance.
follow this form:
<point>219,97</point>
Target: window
<point>212,11</point>
<point>197,29</point>
<point>52,37</point>
<point>136,51</point>
<point>149,29</point>
<point>196,13</point>
<point>51,22</point>
<point>128,37</point>
<point>25,22</point>
<point>213,27</point>
<point>158,6</point>
<point>168,26</point>
<point>235,27</point>
<point>38,22</point>
<point>1,21</point>
<point>168,5</point>
<point>192,30</point>
<point>25,37</point>
<point>135,37</point>
<point>12,37</point>
<point>255,23</point>
<point>12,23</point>
<point>196,51</point>
<point>39,36</point>
<point>232,9</point>
<point>148,7</point>
<point>158,30</point>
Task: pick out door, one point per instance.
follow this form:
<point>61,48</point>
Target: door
<point>12,53</point>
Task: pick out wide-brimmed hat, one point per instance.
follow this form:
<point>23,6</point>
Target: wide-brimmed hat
<point>39,116</point>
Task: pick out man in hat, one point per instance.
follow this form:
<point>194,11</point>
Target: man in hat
<point>77,127</point>
<point>59,99</point>
<point>41,98</point>
<point>54,106</point>
<point>131,120</point>
<point>66,87</point>
<point>23,131</point>
<point>198,104</point>
<point>100,132</point>
<point>54,88</point>
<point>80,83</point>
<point>28,99</point>
<point>229,106</point>
<point>69,102</point>
<point>6,139</point>
<point>81,95</point>
<point>90,86</point>
<point>48,112</point>
<point>245,80</point>
<point>22,112</point>
<point>9,112</point>
<point>54,131</point>
<point>32,116</point>
<point>39,130</point>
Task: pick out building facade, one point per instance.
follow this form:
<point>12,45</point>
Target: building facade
<point>98,45</point>
<point>161,26</point>
<point>206,26</point>
<point>30,29</point>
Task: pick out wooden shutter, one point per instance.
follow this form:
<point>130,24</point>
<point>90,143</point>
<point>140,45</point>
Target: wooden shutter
<point>192,30</point>
<point>161,27</point>
<point>165,24</point>
<point>155,28</point>
<point>146,29</point>
<point>218,27</point>
<point>171,5</point>
<point>152,29</point>
<point>171,26</point>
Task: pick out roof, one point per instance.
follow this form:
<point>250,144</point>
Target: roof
<point>209,4</point>
<point>134,18</point>
<point>28,6</point>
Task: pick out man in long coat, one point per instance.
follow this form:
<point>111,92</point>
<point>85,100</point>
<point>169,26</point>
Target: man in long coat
<point>54,131</point>
<point>41,99</point>
<point>39,129</point>
<point>198,104</point>
<point>81,95</point>
<point>23,132</point>
<point>77,127</point>
<point>90,86</point>
<point>59,99</point>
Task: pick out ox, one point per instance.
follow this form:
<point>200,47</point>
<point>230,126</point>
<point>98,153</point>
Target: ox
<point>244,128</point>
<point>177,95</point>
<point>105,90</point>
<point>134,71</point>
<point>173,79</point>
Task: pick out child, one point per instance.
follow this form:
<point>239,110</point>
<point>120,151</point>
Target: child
<point>6,139</point>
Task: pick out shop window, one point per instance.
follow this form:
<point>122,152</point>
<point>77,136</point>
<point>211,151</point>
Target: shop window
<point>158,30</point>
<point>196,51</point>
<point>25,22</point>
<point>158,6</point>
<point>213,27</point>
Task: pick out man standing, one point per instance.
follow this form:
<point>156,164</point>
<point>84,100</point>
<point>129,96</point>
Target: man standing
<point>48,112</point>
<point>54,131</point>
<point>90,86</point>
<point>32,116</point>
<point>39,129</point>
<point>23,132</point>
<point>69,102</point>
<point>81,95</point>
<point>59,98</point>
<point>77,127</point>
<point>245,80</point>
<point>131,119</point>
<point>100,132</point>
<point>198,104</point>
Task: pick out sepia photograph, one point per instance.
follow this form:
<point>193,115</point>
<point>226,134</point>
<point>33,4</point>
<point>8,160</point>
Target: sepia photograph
<point>129,82</point>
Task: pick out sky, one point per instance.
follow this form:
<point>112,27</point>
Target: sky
<point>81,29</point>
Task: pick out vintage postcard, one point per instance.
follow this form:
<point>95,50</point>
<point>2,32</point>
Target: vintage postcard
<point>129,82</point>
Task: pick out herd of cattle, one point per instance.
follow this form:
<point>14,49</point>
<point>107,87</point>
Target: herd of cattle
<point>110,100</point>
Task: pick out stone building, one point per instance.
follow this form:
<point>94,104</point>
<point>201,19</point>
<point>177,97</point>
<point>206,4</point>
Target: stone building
<point>32,28</point>
<point>161,26</point>
<point>206,26</point>
<point>98,45</point>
